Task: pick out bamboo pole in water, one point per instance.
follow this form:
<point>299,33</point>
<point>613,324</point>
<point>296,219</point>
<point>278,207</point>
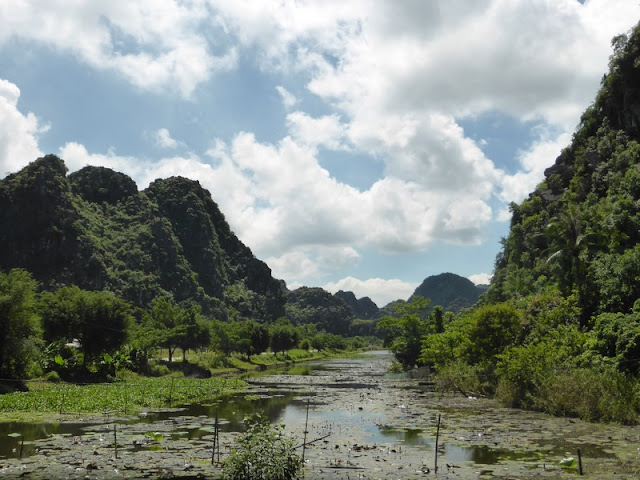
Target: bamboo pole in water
<point>437,438</point>
<point>306,431</point>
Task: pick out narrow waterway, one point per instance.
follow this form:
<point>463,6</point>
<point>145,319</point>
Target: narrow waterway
<point>362,423</point>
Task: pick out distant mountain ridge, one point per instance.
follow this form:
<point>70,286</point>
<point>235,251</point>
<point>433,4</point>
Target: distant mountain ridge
<point>452,292</point>
<point>94,229</point>
<point>363,308</point>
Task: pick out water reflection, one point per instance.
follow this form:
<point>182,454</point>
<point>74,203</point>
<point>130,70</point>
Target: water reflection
<point>10,445</point>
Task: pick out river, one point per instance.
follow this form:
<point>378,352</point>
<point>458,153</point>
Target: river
<point>362,423</point>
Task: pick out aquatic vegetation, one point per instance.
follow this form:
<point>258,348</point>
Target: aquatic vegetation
<point>124,398</point>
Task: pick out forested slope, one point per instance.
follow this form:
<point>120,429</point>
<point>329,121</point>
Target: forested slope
<point>94,229</point>
<point>580,228</point>
<point>559,328</point>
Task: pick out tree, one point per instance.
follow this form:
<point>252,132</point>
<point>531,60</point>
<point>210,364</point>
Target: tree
<point>408,330</point>
<point>99,320</point>
<point>573,241</point>
<point>284,336</point>
<point>19,323</point>
<point>492,328</point>
<point>194,333</point>
<point>436,319</point>
<point>166,317</point>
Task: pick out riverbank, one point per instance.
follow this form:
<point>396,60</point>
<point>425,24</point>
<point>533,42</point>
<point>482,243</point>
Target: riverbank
<point>362,421</point>
<point>47,401</point>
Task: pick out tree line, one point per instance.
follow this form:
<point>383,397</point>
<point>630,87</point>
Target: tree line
<point>82,335</point>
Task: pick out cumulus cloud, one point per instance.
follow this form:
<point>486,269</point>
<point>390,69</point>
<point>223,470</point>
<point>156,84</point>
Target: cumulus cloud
<point>326,131</point>
<point>18,132</point>
<point>533,161</point>
<point>393,81</point>
<point>480,278</point>
<point>303,263</point>
<point>400,76</point>
<point>380,290</point>
<point>289,100</point>
<point>154,44</point>
<point>76,156</point>
<point>163,139</point>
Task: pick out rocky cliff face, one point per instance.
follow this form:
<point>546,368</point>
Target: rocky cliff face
<point>94,229</point>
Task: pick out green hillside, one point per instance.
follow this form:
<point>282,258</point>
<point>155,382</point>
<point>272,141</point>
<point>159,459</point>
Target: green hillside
<point>579,230</point>
<point>559,328</point>
<point>452,292</point>
<point>94,229</point>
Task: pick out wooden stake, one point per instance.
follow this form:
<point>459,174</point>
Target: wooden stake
<point>215,441</point>
<point>21,446</point>
<point>306,431</point>
<point>580,462</point>
<point>115,440</point>
<point>435,469</point>
<point>171,392</point>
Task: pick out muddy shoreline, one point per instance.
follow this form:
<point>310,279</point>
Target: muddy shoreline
<point>370,424</point>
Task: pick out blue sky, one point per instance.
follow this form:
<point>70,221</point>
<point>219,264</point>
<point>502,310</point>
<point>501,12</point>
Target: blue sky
<point>359,145</point>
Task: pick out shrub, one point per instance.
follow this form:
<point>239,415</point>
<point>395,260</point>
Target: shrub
<point>159,370</point>
<point>592,394</point>
<point>53,377</point>
<point>263,453</point>
<point>462,377</point>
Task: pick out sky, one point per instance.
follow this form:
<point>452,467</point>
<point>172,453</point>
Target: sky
<point>360,145</point>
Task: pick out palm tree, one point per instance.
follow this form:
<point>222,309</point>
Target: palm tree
<point>570,242</point>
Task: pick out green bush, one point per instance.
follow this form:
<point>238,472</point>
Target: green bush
<point>53,377</point>
<point>591,394</point>
<point>461,377</point>
<point>263,453</point>
<point>159,370</point>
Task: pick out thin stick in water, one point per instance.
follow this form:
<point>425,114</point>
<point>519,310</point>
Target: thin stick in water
<point>306,431</point>
<point>115,440</point>
<point>580,461</point>
<point>435,469</point>
<point>215,441</point>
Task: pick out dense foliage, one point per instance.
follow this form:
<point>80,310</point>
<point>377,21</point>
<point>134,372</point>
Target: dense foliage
<point>316,306</point>
<point>95,230</point>
<point>19,323</point>
<point>559,328</point>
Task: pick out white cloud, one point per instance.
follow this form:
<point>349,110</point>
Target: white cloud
<point>291,201</point>
<point>398,77</point>
<point>18,132</point>
<point>289,100</point>
<point>163,139</point>
<point>324,131</point>
<point>303,263</point>
<point>381,291</point>
<point>392,81</point>
<point>154,44</point>
<point>539,156</point>
<point>76,156</point>
<point>480,278</point>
